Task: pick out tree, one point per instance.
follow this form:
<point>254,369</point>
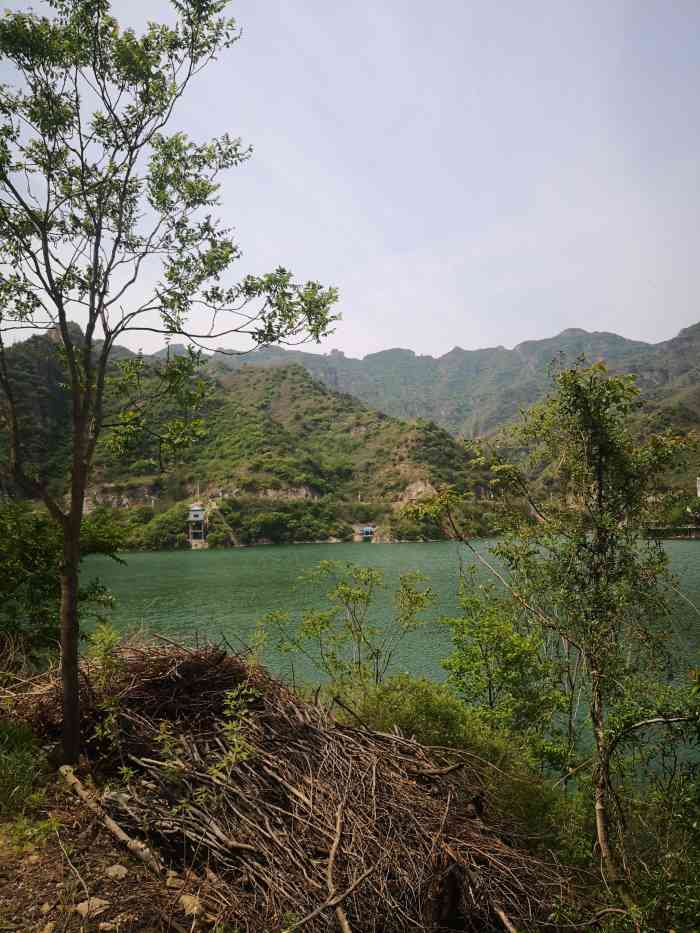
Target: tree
<point>344,642</point>
<point>107,220</point>
<point>574,558</point>
<point>501,667</point>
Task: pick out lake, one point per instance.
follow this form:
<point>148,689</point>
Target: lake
<point>210,594</point>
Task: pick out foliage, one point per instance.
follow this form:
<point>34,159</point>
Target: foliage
<point>270,441</point>
<point>37,372</point>
<point>22,768</point>
<point>95,196</point>
<point>579,570</point>
<point>30,555</point>
<point>103,649</point>
<point>406,527</point>
<point>500,664</point>
<point>233,729</point>
<point>343,642</point>
<point>156,409</point>
<point>281,521</point>
<point>165,530</point>
<point>434,715</point>
<point>680,509</point>
<point>662,841</point>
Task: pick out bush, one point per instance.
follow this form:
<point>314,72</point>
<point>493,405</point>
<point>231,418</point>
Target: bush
<point>144,467</point>
<point>365,512</point>
<point>167,530</point>
<point>21,768</point>
<point>406,527</point>
<point>30,553</point>
<point>282,521</point>
<point>428,711</point>
<point>217,539</point>
<point>432,714</point>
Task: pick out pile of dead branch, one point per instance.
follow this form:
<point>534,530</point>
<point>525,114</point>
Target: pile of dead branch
<point>290,818</point>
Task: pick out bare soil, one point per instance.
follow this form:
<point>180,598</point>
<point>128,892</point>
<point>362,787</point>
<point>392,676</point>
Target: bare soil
<point>59,859</point>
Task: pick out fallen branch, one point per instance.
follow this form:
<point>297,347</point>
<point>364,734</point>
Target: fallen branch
<point>72,867</point>
<point>135,846</point>
<point>339,912</point>
<point>331,902</point>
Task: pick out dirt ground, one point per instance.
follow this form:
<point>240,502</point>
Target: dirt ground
<point>61,871</point>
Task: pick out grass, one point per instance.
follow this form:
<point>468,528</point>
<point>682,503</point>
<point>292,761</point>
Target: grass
<point>22,771</point>
<point>26,834</point>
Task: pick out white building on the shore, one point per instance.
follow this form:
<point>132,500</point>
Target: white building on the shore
<point>197,526</point>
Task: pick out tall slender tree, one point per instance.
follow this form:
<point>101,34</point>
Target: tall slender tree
<point>579,569</point>
<point>107,220</point>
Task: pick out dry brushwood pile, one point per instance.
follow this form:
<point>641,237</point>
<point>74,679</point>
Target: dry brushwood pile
<point>291,819</point>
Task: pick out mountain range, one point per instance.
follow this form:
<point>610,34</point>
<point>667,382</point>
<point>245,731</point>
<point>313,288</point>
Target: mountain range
<point>474,392</point>
<point>302,445</point>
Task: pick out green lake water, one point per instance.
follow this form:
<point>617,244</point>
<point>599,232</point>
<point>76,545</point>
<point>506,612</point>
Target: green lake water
<point>223,593</point>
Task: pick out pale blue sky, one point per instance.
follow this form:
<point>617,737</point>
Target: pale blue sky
<point>466,173</point>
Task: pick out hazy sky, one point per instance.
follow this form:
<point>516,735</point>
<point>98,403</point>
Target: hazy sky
<point>466,173</point>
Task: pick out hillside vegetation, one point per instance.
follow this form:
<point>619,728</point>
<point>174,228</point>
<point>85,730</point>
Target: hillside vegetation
<point>290,454</point>
<point>288,459</point>
<point>285,457</point>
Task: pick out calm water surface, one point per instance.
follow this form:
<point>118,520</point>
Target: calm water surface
<point>225,592</point>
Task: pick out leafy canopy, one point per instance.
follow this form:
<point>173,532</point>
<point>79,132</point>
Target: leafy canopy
<point>109,220</point>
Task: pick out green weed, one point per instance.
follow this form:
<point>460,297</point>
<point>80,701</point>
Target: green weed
<point>22,769</point>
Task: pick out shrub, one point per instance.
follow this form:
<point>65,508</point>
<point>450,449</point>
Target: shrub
<point>30,557</point>
<point>432,714</point>
<point>282,521</point>
<point>144,467</point>
<point>217,539</point>
<point>30,552</point>
<point>406,527</point>
<point>167,530</point>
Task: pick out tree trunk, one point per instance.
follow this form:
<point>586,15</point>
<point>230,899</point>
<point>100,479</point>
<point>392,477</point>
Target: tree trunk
<point>70,633</point>
<point>601,778</point>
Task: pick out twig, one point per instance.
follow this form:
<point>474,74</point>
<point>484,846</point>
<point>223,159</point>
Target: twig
<point>339,912</point>
<point>503,917</point>
<point>336,699</point>
<point>72,866</point>
<point>334,901</point>
<point>180,647</point>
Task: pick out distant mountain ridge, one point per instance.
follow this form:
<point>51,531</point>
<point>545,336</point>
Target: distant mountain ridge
<point>467,392</point>
<point>474,392</point>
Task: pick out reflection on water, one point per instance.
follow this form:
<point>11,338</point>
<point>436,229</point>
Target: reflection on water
<point>224,592</point>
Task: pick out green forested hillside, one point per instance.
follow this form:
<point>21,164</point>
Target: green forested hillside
<point>290,454</point>
<point>280,431</point>
<point>37,376</point>
<point>286,457</point>
<point>289,459</point>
